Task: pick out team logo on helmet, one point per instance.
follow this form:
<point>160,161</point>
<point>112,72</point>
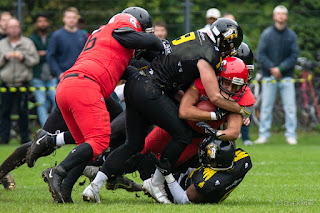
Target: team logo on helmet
<point>212,150</point>
<point>230,34</point>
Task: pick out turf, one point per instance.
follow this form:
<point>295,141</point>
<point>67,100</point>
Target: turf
<point>284,178</point>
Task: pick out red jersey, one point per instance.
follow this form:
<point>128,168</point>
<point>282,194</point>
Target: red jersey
<point>246,100</point>
<point>103,58</point>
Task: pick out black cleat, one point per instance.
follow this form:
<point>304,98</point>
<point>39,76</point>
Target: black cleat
<point>8,182</point>
<point>41,146</point>
<point>54,177</point>
<point>122,182</point>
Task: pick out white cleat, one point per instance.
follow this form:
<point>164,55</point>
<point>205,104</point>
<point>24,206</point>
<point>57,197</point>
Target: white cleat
<point>247,143</point>
<point>292,140</point>
<point>91,193</point>
<point>157,192</point>
<point>261,140</point>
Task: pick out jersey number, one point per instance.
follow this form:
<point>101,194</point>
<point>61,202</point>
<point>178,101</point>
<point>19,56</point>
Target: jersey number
<point>184,38</point>
<point>90,43</point>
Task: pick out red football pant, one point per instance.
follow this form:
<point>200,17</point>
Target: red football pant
<point>159,138</point>
<point>84,111</point>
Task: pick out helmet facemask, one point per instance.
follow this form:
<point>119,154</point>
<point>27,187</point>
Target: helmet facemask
<point>237,88</point>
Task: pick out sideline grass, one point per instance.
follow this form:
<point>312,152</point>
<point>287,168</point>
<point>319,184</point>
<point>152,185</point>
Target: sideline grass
<point>284,178</point>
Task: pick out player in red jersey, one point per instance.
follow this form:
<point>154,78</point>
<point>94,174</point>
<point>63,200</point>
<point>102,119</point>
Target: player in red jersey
<point>83,88</point>
<point>158,138</point>
<point>232,83</point>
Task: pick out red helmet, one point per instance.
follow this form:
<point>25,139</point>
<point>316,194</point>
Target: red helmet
<point>235,71</point>
<point>129,17</point>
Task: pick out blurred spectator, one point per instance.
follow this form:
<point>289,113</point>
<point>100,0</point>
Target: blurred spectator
<point>82,26</point>
<point>212,15</point>
<point>277,55</point>
<point>160,29</point>
<point>66,43</point>
<point>244,129</point>
<point>42,77</point>
<point>4,17</point>
<point>18,55</point>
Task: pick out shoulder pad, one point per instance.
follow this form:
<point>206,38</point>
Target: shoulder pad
<point>124,30</point>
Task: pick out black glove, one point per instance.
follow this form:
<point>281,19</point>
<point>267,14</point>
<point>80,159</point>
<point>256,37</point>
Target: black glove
<point>207,128</point>
<point>163,166</point>
<point>220,113</point>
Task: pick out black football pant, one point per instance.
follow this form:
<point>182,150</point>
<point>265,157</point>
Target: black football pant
<point>147,104</point>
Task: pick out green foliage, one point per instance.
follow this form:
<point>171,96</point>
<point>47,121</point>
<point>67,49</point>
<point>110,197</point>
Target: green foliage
<point>253,16</point>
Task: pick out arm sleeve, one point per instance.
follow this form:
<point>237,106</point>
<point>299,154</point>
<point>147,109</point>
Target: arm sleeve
<point>179,195</point>
<point>291,60</point>
<point>263,59</point>
<point>51,57</point>
<point>138,40</point>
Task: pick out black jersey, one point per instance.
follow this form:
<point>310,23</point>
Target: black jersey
<point>217,185</point>
<point>179,67</point>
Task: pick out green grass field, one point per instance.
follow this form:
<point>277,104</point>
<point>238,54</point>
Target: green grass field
<point>284,178</point>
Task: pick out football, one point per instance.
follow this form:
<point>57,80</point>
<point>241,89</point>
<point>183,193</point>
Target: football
<point>205,106</point>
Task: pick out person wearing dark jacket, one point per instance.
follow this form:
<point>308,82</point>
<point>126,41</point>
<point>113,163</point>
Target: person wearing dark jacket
<point>277,54</point>
<point>43,80</point>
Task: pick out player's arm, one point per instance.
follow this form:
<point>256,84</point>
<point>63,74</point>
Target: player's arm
<point>131,39</point>
<point>233,129</point>
<point>188,109</point>
<point>211,86</point>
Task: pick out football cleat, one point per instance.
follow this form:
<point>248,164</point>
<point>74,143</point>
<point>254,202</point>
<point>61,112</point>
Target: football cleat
<point>91,193</point>
<point>157,192</point>
<point>122,182</point>
<point>8,182</point>
<point>40,147</point>
<point>54,177</point>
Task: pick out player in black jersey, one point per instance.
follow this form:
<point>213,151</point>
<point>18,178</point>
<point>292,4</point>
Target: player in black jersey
<point>222,169</point>
<point>151,98</point>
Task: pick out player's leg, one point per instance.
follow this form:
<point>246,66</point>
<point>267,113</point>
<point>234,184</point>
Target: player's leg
<point>116,162</point>
<point>45,141</point>
<point>94,130</point>
<point>16,159</point>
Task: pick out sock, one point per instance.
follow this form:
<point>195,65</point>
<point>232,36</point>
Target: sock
<point>60,140</point>
<point>72,177</point>
<point>80,154</point>
<point>68,139</point>
<point>157,178</point>
<point>100,179</point>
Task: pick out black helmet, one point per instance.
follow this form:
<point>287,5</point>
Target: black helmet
<point>141,15</point>
<point>216,153</point>
<point>226,34</point>
<point>244,52</point>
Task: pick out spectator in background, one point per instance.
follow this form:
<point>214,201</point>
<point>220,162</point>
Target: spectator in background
<point>82,26</point>
<point>17,57</point>
<point>244,129</point>
<point>66,43</point>
<point>277,55</point>
<point>4,17</point>
<point>42,76</point>
<point>212,15</point>
<point>160,29</point>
